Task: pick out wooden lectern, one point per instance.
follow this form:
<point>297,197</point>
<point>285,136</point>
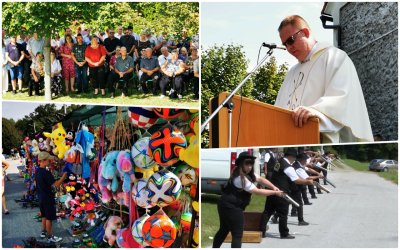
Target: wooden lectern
<point>260,124</point>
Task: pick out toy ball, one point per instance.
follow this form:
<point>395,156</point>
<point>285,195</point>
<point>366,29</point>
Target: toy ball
<point>194,118</point>
<point>164,188</point>
<point>165,144</point>
<point>140,154</point>
<point>142,117</point>
<point>167,113</point>
<point>159,230</point>
<point>186,220</point>
<point>185,173</point>
<point>140,194</point>
<point>137,229</point>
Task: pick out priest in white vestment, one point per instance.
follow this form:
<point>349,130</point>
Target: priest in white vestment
<point>324,84</point>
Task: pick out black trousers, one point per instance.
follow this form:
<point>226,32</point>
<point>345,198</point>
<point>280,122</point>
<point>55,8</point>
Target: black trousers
<point>176,83</point>
<point>26,76</point>
<point>281,207</point>
<point>98,75</point>
<point>303,190</point>
<point>34,85</point>
<point>230,220</point>
<point>296,196</point>
<point>113,78</point>
<point>145,77</point>
<point>195,81</point>
<point>311,190</point>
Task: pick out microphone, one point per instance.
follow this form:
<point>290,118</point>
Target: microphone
<point>272,46</point>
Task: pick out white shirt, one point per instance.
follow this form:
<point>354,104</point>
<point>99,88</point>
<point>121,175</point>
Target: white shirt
<point>290,172</point>
<point>248,185</point>
<point>327,84</point>
<point>301,172</point>
<point>162,59</point>
<point>56,66</point>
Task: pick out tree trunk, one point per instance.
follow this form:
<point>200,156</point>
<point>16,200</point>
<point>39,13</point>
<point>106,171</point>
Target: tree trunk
<point>47,70</point>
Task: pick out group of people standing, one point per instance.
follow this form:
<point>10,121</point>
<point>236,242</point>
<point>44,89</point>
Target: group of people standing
<point>288,174</point>
<point>104,60</point>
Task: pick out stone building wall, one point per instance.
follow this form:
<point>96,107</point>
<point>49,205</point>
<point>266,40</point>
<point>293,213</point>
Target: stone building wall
<point>369,36</point>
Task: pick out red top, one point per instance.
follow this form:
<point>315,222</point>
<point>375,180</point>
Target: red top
<point>95,54</point>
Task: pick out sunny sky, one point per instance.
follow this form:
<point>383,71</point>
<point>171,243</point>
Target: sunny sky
<point>251,24</point>
<point>18,110</point>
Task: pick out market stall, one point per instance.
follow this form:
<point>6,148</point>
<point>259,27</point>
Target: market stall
<point>132,175</point>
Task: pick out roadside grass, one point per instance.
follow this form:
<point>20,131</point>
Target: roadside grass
<point>391,175</point>
<point>210,218</point>
<point>134,98</point>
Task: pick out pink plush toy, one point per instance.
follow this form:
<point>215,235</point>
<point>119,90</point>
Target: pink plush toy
<point>106,194</point>
<point>112,226</point>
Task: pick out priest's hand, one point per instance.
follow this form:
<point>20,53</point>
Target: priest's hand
<point>301,115</point>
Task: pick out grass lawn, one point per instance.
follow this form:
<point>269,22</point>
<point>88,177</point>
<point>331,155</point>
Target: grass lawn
<point>391,175</point>
<point>134,98</point>
<point>210,219</point>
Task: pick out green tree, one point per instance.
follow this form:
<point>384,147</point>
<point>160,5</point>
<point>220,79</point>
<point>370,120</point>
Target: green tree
<point>222,69</point>
<point>45,18</point>
<point>11,137</point>
<point>268,80</point>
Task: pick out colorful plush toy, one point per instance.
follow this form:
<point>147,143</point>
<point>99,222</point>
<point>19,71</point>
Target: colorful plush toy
<point>58,138</point>
<point>126,169</point>
<point>35,147</point>
<point>69,139</point>
<point>86,140</point>
<point>41,144</point>
<point>146,173</point>
<point>106,194</point>
<point>190,155</point>
<point>109,170</point>
<point>111,227</point>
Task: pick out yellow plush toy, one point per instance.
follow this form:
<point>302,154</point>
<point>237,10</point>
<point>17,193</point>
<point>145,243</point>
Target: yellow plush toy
<point>58,138</point>
<point>147,172</point>
<point>190,155</point>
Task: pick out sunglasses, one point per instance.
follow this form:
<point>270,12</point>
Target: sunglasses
<point>291,39</point>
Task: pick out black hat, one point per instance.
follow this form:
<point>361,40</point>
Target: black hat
<point>243,156</point>
<point>291,151</point>
<point>302,157</point>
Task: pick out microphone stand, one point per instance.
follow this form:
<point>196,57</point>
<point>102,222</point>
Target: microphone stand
<point>228,99</point>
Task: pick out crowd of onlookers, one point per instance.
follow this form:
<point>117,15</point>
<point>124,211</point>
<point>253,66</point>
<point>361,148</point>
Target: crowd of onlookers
<point>104,62</point>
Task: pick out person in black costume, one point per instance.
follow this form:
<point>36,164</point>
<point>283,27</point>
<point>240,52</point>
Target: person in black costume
<point>236,196</point>
<point>285,178</point>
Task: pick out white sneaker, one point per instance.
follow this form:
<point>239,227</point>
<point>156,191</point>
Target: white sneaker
<point>180,96</point>
<point>43,234</point>
<point>162,96</point>
<point>54,239</point>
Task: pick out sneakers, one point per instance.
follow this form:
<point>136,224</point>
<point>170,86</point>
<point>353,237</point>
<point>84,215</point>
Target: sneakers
<point>54,239</point>
<point>303,223</point>
<point>162,96</point>
<point>43,234</point>
<point>287,236</point>
<point>274,220</point>
<point>180,96</point>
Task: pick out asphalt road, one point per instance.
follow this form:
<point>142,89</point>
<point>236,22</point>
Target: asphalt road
<point>19,224</point>
<point>361,212</point>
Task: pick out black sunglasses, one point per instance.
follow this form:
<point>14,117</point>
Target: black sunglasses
<point>291,39</point>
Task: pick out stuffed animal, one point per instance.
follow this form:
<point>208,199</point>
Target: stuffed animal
<point>125,169</point>
<point>190,155</point>
<point>58,138</point>
<point>146,173</point>
<point>90,213</point>
<point>69,139</point>
<point>106,194</point>
<point>35,147</point>
<point>111,227</point>
<point>109,170</point>
<point>86,140</point>
<point>42,146</point>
